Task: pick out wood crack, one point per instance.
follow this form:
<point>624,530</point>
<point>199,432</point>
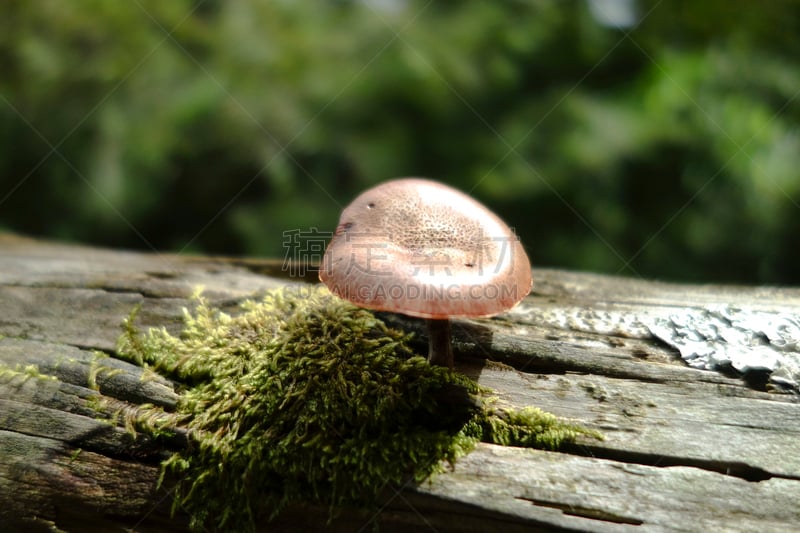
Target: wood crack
<point>728,468</point>
<point>584,512</point>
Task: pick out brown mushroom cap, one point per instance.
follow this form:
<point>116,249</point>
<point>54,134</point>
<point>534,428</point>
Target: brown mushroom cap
<point>424,249</point>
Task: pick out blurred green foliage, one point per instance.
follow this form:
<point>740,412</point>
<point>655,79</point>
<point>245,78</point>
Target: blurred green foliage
<point>669,148</point>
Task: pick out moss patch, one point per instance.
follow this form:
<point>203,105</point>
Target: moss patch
<point>305,397</point>
<point>23,373</point>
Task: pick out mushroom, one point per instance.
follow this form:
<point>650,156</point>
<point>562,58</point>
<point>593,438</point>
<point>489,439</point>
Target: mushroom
<point>420,248</point>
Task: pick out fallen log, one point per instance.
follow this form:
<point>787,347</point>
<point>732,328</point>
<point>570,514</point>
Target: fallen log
<point>685,448</point>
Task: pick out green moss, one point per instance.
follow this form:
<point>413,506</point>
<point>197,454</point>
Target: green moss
<point>305,397</point>
<point>23,373</point>
<point>97,369</point>
<point>529,427</point>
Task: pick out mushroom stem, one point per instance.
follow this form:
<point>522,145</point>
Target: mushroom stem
<point>441,351</point>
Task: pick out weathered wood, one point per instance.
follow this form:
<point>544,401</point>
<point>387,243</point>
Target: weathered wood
<point>685,448</point>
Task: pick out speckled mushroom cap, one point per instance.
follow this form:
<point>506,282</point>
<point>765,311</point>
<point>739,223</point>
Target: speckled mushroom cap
<point>421,248</point>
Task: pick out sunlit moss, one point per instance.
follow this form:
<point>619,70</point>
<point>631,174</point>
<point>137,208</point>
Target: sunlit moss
<point>22,373</point>
<point>304,397</point>
<point>97,369</point>
<point>529,427</point>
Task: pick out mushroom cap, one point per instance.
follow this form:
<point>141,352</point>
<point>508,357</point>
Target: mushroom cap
<point>421,248</point>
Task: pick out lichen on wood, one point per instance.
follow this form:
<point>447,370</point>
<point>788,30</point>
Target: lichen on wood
<point>303,397</point>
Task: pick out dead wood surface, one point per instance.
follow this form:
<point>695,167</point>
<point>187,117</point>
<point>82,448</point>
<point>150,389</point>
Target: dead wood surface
<point>685,449</point>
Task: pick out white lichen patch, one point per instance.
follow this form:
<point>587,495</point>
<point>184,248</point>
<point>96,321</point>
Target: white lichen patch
<point>709,337</point>
<point>746,340</point>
